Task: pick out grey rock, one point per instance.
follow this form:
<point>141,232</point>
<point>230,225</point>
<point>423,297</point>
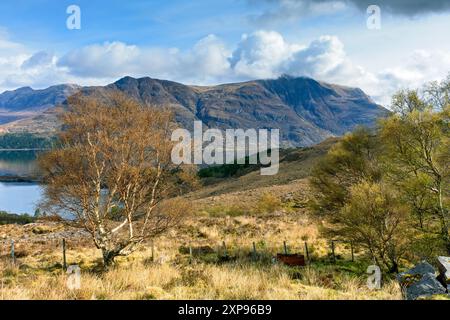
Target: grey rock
<point>415,274</point>
<point>426,287</point>
<point>420,282</point>
<point>420,269</point>
<point>444,270</point>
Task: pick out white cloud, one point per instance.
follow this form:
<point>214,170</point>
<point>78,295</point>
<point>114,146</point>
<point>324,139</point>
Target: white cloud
<point>38,60</point>
<point>210,56</point>
<point>262,54</point>
<point>420,67</point>
<point>321,58</point>
<point>267,54</point>
<point>110,59</point>
<point>206,63</point>
<point>207,60</point>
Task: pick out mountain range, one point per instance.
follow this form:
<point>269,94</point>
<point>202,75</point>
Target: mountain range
<point>305,110</point>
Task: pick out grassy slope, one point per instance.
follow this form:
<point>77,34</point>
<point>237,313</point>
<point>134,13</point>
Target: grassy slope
<point>39,275</point>
<point>295,164</point>
<point>240,211</point>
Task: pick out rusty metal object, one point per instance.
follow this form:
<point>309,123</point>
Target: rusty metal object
<point>292,260</point>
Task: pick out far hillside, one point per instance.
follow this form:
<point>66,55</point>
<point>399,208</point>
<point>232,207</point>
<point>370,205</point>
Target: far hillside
<point>306,111</point>
<point>25,141</point>
<point>295,164</point>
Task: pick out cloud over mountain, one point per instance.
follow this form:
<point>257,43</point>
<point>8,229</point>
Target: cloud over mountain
<point>207,59</point>
<point>261,54</point>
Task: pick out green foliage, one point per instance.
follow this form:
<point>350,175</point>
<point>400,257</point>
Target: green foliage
<point>376,218</point>
<point>417,157</point>
<point>223,171</point>
<point>408,157</point>
<point>7,218</point>
<point>25,141</point>
<point>268,203</point>
<point>349,162</point>
<point>231,170</point>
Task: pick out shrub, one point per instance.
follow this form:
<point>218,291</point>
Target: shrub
<point>268,203</point>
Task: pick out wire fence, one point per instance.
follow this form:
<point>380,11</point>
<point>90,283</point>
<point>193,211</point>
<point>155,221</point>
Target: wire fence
<point>13,250</point>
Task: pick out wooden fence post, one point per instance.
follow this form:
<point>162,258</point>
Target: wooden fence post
<point>353,251</point>
<point>153,251</point>
<point>190,254</point>
<point>254,251</point>
<point>224,249</point>
<point>332,251</point>
<point>307,251</point>
<point>285,248</point>
<point>64,254</point>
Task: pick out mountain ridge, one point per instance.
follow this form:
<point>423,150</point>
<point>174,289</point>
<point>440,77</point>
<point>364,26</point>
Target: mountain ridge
<point>305,110</point>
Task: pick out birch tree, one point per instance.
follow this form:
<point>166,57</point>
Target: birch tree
<point>416,144</point>
<point>112,172</point>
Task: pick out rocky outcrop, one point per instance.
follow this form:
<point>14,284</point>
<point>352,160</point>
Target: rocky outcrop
<point>420,282</point>
<point>444,271</point>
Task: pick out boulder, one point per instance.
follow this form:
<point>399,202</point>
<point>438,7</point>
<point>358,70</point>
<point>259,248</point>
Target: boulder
<point>444,270</point>
<point>420,269</point>
<point>415,274</point>
<point>420,282</point>
<point>426,287</point>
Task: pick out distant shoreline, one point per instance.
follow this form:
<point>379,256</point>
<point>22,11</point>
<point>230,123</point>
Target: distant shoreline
<point>26,149</point>
<point>18,179</point>
<point>15,178</point>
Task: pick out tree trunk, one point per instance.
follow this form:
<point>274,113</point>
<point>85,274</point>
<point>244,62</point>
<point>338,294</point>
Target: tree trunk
<point>444,233</point>
<point>446,240</point>
<point>443,218</point>
<point>393,268</point>
<point>108,259</point>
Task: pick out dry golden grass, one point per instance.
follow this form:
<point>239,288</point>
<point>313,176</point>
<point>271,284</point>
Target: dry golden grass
<point>137,278</point>
<point>38,275</point>
<point>265,218</point>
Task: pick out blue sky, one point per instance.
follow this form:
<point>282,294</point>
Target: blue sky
<point>162,23</point>
<point>210,42</point>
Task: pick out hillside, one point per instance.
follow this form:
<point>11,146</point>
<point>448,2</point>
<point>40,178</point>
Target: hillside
<point>26,103</point>
<point>306,111</point>
<point>295,165</point>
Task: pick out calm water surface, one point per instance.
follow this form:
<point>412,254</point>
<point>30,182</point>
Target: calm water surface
<point>18,197</point>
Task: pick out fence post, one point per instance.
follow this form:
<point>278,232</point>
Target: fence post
<point>64,254</point>
<point>153,251</point>
<point>13,256</point>
<point>353,252</point>
<point>190,254</point>
<point>254,251</point>
<point>332,251</point>
<point>285,248</point>
<point>307,251</point>
<point>224,249</point>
